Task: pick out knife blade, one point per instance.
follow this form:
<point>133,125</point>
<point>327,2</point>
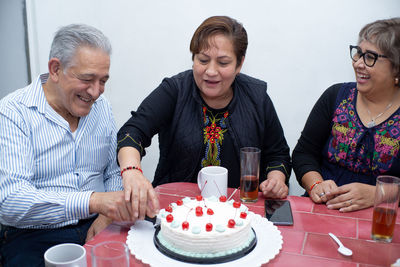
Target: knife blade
<point>155,220</point>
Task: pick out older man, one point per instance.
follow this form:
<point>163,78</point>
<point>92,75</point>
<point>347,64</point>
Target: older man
<point>58,153</point>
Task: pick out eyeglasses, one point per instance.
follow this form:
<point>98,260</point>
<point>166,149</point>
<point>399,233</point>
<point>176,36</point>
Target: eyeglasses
<point>369,57</point>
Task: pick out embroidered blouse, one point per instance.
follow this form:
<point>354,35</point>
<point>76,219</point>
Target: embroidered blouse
<point>218,144</point>
<point>336,144</point>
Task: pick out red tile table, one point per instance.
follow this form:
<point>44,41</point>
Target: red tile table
<point>306,243</point>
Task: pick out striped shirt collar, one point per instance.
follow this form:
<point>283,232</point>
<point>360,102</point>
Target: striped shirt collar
<point>36,97</point>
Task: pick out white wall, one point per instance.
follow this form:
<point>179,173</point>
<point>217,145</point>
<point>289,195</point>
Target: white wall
<point>14,69</point>
<point>299,47</point>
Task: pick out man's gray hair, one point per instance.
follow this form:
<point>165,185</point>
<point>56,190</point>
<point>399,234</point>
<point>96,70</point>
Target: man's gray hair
<point>69,38</point>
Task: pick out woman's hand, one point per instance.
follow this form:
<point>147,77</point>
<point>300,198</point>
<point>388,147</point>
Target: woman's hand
<point>140,193</point>
<point>274,186</point>
<point>321,192</point>
<point>351,197</point>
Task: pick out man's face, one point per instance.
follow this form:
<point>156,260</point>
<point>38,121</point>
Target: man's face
<point>82,83</point>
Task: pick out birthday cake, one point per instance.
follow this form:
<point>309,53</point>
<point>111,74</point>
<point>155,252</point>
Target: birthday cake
<point>206,228</point>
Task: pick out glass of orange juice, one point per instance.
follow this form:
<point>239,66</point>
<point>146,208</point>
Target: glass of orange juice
<point>385,208</point>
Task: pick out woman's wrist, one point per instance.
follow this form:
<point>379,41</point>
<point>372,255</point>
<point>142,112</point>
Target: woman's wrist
<point>314,185</point>
<point>129,168</point>
<point>311,180</point>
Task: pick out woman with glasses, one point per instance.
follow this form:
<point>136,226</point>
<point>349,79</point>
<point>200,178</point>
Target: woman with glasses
<point>353,132</point>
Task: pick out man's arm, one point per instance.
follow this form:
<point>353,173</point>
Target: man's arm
<point>22,204</point>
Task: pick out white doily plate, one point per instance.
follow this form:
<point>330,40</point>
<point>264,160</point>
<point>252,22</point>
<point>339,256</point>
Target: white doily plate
<point>269,243</point>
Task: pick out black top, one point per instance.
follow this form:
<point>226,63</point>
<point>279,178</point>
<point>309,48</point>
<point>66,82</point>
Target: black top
<point>175,111</point>
<point>336,144</point>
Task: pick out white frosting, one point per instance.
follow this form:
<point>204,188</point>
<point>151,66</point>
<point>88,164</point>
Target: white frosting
<point>219,241</point>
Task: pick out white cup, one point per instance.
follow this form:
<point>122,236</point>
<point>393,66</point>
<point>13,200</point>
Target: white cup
<point>65,255</point>
<point>213,181</point>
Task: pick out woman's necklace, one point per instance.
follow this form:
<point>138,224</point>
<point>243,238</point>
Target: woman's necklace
<point>372,122</point>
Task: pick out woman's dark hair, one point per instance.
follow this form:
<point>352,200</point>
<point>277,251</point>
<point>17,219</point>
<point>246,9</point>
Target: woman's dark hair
<point>227,26</point>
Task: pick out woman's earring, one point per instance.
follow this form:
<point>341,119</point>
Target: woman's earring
<point>396,81</point>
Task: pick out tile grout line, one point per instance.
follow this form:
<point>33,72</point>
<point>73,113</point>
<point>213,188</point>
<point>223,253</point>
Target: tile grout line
<point>332,215</point>
<point>357,226</point>
<point>304,243</point>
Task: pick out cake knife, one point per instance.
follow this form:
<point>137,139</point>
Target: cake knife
<point>155,220</point>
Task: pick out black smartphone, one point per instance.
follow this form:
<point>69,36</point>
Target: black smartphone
<point>278,212</point>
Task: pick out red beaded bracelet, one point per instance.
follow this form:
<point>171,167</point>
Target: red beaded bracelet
<point>131,168</point>
<point>314,184</point>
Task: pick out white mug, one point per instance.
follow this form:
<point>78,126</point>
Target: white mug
<point>65,255</point>
<point>213,181</point>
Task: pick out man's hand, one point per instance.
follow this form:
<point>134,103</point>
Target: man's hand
<point>140,195</point>
<point>97,226</point>
<point>111,205</point>
<point>351,197</point>
<point>274,186</point>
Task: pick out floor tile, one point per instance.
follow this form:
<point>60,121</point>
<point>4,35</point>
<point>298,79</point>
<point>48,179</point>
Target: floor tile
<point>292,240</point>
<point>257,210</point>
<point>370,265</point>
<point>301,203</point>
<point>317,223</point>
<point>362,214</point>
<point>314,243</point>
<point>363,252</point>
<point>288,259</point>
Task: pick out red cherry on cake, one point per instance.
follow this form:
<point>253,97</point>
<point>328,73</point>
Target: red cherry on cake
<point>185,225</point>
<point>169,208</point>
<point>209,227</point>
<point>170,218</point>
<point>222,198</point>
<point>210,212</point>
<point>199,211</point>
<point>199,198</point>
<point>179,202</point>
<point>236,204</point>
<point>243,215</point>
<point>231,223</point>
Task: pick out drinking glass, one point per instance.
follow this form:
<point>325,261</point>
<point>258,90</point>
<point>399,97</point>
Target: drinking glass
<point>249,173</point>
<point>109,254</point>
<point>385,208</point>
